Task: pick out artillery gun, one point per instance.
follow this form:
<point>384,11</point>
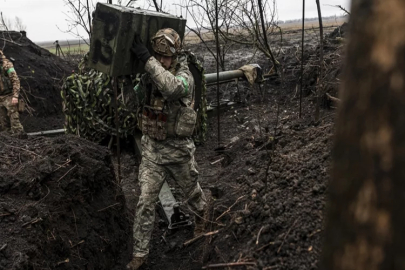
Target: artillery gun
<point>94,100</point>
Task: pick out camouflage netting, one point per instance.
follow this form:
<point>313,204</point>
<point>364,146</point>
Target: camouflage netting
<point>88,104</point>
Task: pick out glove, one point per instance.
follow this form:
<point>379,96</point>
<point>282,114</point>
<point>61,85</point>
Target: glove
<point>140,50</point>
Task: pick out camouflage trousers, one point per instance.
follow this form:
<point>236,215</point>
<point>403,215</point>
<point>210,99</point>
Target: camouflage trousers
<point>151,179</point>
<point>9,116</point>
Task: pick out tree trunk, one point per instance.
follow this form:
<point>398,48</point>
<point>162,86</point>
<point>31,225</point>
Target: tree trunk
<point>365,227</point>
<point>319,86</point>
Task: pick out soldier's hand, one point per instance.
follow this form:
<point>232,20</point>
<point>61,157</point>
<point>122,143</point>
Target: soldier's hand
<point>140,50</point>
<point>14,101</point>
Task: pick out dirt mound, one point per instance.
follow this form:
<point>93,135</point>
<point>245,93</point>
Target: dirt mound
<point>268,204</point>
<point>59,206</point>
<point>332,68</point>
<point>40,73</point>
<point>333,57</point>
<point>340,31</point>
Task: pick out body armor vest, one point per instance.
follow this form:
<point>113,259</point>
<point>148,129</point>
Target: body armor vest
<point>161,119</point>
<point>158,117</point>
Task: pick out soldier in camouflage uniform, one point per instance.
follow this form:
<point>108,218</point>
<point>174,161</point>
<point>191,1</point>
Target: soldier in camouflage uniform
<point>165,94</point>
<point>9,92</point>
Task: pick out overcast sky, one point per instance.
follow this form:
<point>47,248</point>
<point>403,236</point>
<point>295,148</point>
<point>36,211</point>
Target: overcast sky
<point>46,19</point>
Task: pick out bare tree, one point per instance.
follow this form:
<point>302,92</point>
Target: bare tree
<point>341,8</point>
<point>203,15</point>
<point>5,23</point>
<point>157,4</point>
<point>18,24</point>
<point>252,23</point>
<point>158,8</point>
<point>79,16</point>
<point>320,82</point>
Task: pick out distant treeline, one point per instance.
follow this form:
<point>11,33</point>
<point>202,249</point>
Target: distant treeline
<point>73,42</point>
<point>310,19</point>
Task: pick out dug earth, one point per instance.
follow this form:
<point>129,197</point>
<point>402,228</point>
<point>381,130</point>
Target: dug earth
<point>62,206</point>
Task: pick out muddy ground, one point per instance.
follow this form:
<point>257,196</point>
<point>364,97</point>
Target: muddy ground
<point>59,206</point>
<point>267,177</point>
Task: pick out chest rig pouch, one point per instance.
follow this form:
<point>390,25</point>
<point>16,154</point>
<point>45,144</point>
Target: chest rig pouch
<point>153,120</point>
<point>185,121</point>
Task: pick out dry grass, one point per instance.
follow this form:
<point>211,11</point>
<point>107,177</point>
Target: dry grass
<point>192,38</point>
<point>72,49</point>
<point>312,24</point>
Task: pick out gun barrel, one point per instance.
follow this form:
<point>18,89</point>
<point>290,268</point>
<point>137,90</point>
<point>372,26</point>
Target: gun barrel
<point>224,76</point>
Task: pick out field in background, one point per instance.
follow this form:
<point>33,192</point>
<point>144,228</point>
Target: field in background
<point>313,24</point>
<point>72,48</point>
<point>192,38</point>
<point>77,47</point>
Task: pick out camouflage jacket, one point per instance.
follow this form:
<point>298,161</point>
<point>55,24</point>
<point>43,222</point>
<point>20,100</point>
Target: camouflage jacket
<point>8,79</point>
<point>175,86</point>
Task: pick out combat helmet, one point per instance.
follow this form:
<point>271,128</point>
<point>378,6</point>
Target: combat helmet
<point>166,42</point>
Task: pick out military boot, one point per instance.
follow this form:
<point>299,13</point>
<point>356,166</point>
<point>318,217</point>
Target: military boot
<point>19,135</point>
<point>136,263</point>
<point>22,135</point>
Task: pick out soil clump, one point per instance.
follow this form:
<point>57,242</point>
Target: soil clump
<point>59,206</point>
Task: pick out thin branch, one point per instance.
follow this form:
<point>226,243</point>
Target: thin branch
<point>302,55</point>
<point>319,88</point>
<point>156,5</point>
<point>10,41</point>
<point>342,8</point>
<point>285,236</point>
<point>187,243</point>
<point>223,265</point>
<point>229,208</point>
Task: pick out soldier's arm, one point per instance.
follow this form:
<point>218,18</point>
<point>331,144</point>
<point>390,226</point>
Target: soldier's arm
<point>172,87</point>
<point>140,91</point>
<point>136,97</point>
<point>12,74</point>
